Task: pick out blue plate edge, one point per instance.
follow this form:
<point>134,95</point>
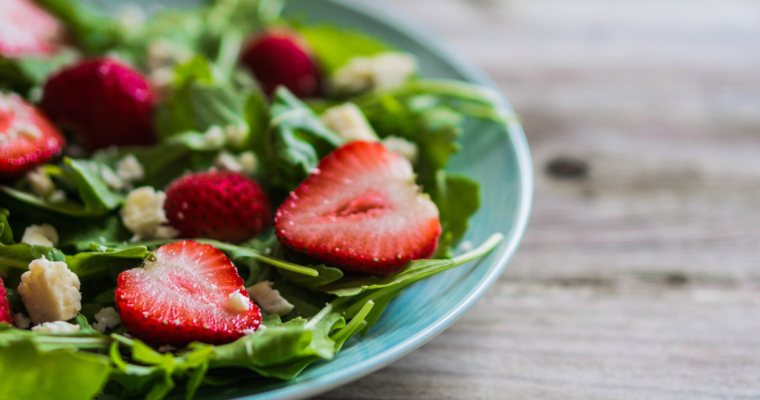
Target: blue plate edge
<point>420,32</point>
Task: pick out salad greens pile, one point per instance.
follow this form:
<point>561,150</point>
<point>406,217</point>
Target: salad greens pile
<point>209,106</point>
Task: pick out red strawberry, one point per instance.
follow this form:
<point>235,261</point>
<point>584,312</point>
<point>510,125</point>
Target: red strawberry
<point>360,212</point>
<point>105,101</point>
<point>27,138</point>
<point>225,206</point>
<point>184,296</point>
<point>25,28</point>
<point>281,57</point>
<point>6,313</point>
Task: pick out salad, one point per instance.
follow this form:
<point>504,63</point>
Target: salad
<point>214,194</point>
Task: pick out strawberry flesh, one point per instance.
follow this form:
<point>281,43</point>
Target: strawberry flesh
<point>105,101</point>
<point>280,57</point>
<point>6,313</point>
<point>25,29</point>
<point>225,206</point>
<point>27,138</point>
<point>360,212</point>
<point>184,296</point>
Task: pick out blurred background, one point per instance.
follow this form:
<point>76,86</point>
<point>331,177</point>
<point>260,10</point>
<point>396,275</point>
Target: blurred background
<point>638,276</point>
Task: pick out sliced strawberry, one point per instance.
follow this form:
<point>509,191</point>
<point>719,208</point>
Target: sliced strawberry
<point>281,57</point>
<point>27,138</point>
<point>25,28</point>
<point>360,212</point>
<point>105,101</point>
<point>184,296</point>
<point>225,206</point>
<point>6,313</point>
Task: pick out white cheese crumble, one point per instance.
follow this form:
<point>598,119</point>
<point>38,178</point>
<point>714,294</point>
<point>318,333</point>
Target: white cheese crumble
<point>21,321</point>
<point>382,71</point>
<point>401,146</point>
<point>40,182</point>
<point>129,169</point>
<point>245,163</point>
<point>269,299</point>
<point>143,211</point>
<point>235,135</point>
<point>50,291</point>
<point>107,317</point>
<point>110,178</point>
<point>56,327</point>
<point>58,196</point>
<point>239,302</point>
<point>348,121</point>
<point>166,348</point>
<point>40,235</point>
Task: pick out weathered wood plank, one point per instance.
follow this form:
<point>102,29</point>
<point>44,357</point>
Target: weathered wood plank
<point>638,276</point>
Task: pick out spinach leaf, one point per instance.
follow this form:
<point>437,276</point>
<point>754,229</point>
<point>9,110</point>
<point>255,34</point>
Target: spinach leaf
<point>457,197</point>
<point>334,47</point>
<point>297,139</point>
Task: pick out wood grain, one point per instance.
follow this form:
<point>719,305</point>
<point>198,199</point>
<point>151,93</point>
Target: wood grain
<point>640,278</point>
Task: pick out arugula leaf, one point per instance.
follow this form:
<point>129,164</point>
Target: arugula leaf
<point>15,259</point>
<point>297,139</point>
<point>32,373</point>
<point>326,275</point>
<point>457,197</point>
<point>334,47</point>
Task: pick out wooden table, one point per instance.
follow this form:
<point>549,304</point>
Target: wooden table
<point>638,277</point>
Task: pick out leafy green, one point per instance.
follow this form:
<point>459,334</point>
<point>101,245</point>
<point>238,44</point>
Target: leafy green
<point>15,258</point>
<point>104,259</point>
<point>326,275</point>
<point>457,197</point>
<point>6,234</point>
<point>22,74</point>
<point>298,139</point>
<point>94,32</point>
<point>334,47</point>
<point>31,373</point>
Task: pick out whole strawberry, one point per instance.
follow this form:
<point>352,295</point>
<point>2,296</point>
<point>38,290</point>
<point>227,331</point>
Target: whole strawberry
<point>225,206</point>
<point>281,57</point>
<point>189,292</point>
<point>106,102</point>
<point>6,313</point>
<point>25,29</point>
<point>360,211</point>
<point>27,138</point>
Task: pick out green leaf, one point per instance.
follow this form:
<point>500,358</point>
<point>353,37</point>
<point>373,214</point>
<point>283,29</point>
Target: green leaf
<point>6,233</point>
<point>298,139</point>
<point>94,32</point>
<point>326,275</point>
<point>334,47</point>
<point>30,373</point>
<point>90,264</point>
<point>22,74</point>
<point>457,198</point>
<point>15,259</point>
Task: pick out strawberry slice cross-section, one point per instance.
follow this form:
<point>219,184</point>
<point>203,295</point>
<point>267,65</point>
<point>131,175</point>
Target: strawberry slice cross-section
<point>360,211</point>
<point>189,292</point>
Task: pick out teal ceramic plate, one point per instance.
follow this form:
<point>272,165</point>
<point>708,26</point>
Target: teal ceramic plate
<point>500,161</point>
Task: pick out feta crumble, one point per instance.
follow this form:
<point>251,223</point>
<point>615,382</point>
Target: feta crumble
<point>21,321</point>
<point>50,291</point>
<point>143,211</point>
<point>40,235</point>
<point>56,327</point>
<point>269,299</point>
<point>129,169</point>
<point>40,182</point>
<point>107,317</point>
<point>378,72</point>
<point>245,163</point>
<point>349,123</point>
<point>401,146</point>
<point>166,348</point>
<point>239,302</point>
<point>110,178</point>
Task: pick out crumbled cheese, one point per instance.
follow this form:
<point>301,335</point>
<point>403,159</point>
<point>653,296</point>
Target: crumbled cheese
<point>40,235</point>
<point>214,136</point>
<point>245,163</point>
<point>166,348</point>
<point>402,146</point>
<point>21,321</point>
<point>129,169</point>
<point>26,130</point>
<point>56,327</point>
<point>131,16</point>
<point>239,302</point>
<point>379,72</point>
<point>58,196</point>
<point>235,135</point>
<point>107,317</point>
<point>165,232</point>
<point>110,178</point>
<point>40,182</point>
<point>348,121</point>
<point>50,291</point>
<point>269,299</point>
<point>143,211</point>
<point>162,54</point>
<point>249,162</point>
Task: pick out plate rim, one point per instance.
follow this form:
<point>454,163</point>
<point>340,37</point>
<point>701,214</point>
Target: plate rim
<point>389,14</point>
